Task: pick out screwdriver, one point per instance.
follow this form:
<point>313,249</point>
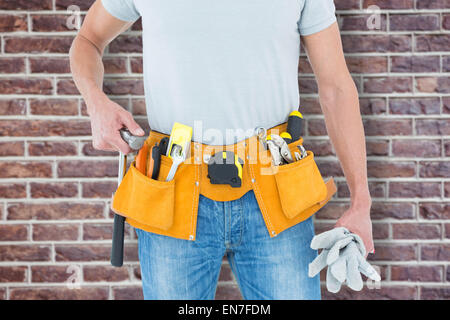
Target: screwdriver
<point>294,126</point>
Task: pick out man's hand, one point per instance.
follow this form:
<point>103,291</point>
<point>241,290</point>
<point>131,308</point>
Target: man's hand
<point>106,120</point>
<point>357,220</point>
<point>339,100</point>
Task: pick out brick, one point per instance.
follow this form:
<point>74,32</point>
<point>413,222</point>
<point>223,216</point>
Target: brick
<point>104,273</point>
<point>87,252</point>
<point>373,105</point>
<point>435,293</point>
<point>414,22</point>
<point>310,106</point>
<point>415,64</point>
<point>433,210</point>
<point>98,189</point>
<point>388,85</point>
<point>13,232</point>
<point>432,169</point>
<point>433,4</point>
<point>137,273</point>
<point>417,273</point>
<point>53,190</point>
<point>346,4</point>
<point>446,22</point>
<point>26,86</point>
<point>12,107</point>
<point>115,65</point>
<point>13,274</point>
<point>62,107</point>
<point>388,4</point>
<point>49,23</point>
<point>136,65</point>
<point>225,273</point>
<point>433,42</point>
<point>37,44</point>
<point>394,253</point>
<point>126,44</point>
<point>415,106</point>
<point>435,252</point>
<point>384,293</point>
<point>375,127</point>
<point>228,292</point>
<point>446,60</point>
<point>439,127</point>
<point>128,293</point>
<point>25,253</point>
<point>416,231</point>
<point>138,107</point>
<point>447,236</point>
<point>380,231</point>
<point>377,189</point>
<point>308,85</point>
<point>10,149</point>
<point>367,64</point>
<point>319,147</point>
<point>49,148</point>
<point>137,25</point>
<point>80,169</point>
<point>414,189</point>
<point>53,211</point>
<point>82,4</point>
<point>332,210</point>
<point>24,169</point>
<point>447,189</point>
<point>433,84</point>
<point>416,148</point>
<point>123,86</point>
<point>98,231</point>
<point>13,190</point>
<point>44,128</point>
<point>12,65</point>
<point>26,5</point>
<point>2,293</point>
<point>88,150</point>
<point>66,87</point>
<point>386,210</point>
<point>379,169</point>
<point>50,274</point>
<point>376,43</point>
<point>49,65</point>
<point>59,293</point>
<point>316,127</point>
<point>330,168</point>
<point>359,23</point>
<point>55,232</point>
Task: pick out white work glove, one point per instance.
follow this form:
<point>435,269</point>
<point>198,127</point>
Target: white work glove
<point>343,252</point>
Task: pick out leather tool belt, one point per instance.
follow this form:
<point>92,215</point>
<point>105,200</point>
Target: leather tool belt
<point>286,194</point>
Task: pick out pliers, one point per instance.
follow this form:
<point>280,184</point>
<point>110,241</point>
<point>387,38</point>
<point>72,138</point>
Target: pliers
<point>279,149</point>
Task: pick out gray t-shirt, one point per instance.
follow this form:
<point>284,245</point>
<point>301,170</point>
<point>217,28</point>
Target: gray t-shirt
<point>223,67</point>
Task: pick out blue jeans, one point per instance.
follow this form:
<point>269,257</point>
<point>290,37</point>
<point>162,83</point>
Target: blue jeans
<point>264,267</point>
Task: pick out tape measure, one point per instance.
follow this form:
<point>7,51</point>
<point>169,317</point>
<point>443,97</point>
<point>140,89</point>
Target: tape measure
<point>225,168</point>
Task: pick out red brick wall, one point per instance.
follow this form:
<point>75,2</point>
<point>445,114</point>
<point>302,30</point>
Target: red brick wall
<point>55,188</point>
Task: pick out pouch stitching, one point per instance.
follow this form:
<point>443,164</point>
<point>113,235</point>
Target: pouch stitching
<point>257,192</point>
<point>196,175</point>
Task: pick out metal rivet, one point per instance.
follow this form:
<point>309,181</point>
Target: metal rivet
<point>191,237</point>
<point>253,180</point>
<point>248,157</point>
<point>274,233</point>
<point>197,146</point>
<point>197,159</point>
<point>197,183</point>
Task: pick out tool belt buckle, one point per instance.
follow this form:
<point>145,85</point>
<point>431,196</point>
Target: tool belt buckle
<point>225,168</point>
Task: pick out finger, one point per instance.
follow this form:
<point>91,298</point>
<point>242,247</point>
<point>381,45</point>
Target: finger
<point>354,280</point>
<point>318,264</point>
<point>333,285</point>
<point>366,269</point>
<point>131,125</point>
<point>339,269</point>
<point>120,144</point>
<point>327,239</point>
<point>335,250</point>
